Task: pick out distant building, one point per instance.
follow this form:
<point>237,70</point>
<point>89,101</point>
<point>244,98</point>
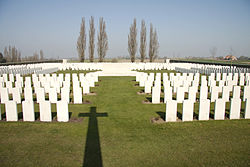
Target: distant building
<point>230,57</point>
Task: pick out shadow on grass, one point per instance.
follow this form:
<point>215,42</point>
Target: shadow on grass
<point>92,154</point>
<point>179,115</point>
<point>149,99</point>
<point>162,115</point>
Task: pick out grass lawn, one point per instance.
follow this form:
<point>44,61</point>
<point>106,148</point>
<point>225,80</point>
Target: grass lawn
<point>116,131</point>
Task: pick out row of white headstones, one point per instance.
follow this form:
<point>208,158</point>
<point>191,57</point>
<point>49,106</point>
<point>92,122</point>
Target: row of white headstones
<point>53,85</point>
<point>190,83</point>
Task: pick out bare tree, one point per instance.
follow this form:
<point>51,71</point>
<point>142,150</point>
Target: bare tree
<point>81,42</point>
<point>132,43</point>
<point>41,55</point>
<point>11,54</point>
<point>7,54</point>
<point>102,44</point>
<point>153,44</point>
<point>35,56</point>
<point>19,59</point>
<point>91,39</point>
<point>2,59</point>
<point>143,41</point>
<point>213,51</point>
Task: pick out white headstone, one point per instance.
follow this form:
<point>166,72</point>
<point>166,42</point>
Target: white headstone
<point>246,92</point>
<point>204,109</point>
<point>171,110</point>
<point>236,92</point>
<point>77,93</point>
<point>28,111</point>
<point>225,93</point>
<point>45,111</point>
<point>188,110</point>
<point>214,93</point>
<point>62,111</point>
<point>40,95</point>
<point>247,108</point>
<point>11,111</point>
<point>85,88</point>
<point>156,95</point>
<point>52,95</point>
<point>219,111</point>
<point>218,76</point>
<point>192,93</point>
<point>4,95</point>
<point>235,108</point>
<point>147,88</point>
<point>16,95</point>
<point>65,94</point>
<point>180,94</point>
<point>28,96</point>
<point>168,91</point>
<point>242,79</point>
<point>203,92</point>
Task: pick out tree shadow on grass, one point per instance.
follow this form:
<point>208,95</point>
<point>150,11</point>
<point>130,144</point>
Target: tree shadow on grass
<point>92,154</point>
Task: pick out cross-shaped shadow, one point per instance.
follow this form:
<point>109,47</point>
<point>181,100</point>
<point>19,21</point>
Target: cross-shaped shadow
<point>93,154</point>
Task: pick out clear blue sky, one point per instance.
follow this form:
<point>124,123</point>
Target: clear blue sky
<point>185,27</point>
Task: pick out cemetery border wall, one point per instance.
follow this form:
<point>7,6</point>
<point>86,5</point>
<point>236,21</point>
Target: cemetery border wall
<point>31,62</point>
<point>210,63</point>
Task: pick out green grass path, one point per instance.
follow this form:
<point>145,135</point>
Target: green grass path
<point>125,134</point>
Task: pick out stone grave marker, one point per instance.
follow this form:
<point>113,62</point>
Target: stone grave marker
<point>147,88</point>
<point>180,94</point>
<point>11,111</point>
<point>168,91</point>
<point>192,93</point>
<point>214,93</point>
<point>235,108</point>
<point>77,92</point>
<point>225,93</point>
<point>171,110</point>
<point>236,92</point>
<point>219,112</point>
<point>65,94</point>
<point>156,95</point>
<point>62,111</point>
<point>16,95</point>
<point>86,87</point>
<point>246,93</point>
<point>203,92</point>
<point>40,95</point>
<point>28,111</point>
<point>188,110</point>
<point>52,95</point>
<point>247,108</point>
<point>204,109</point>
<point>28,96</point>
<point>45,111</point>
<point>4,95</point>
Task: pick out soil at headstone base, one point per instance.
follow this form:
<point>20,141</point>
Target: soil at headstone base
<point>86,102</point>
<point>146,102</point>
<point>157,120</point>
<point>141,93</point>
<point>76,120</point>
<point>91,94</point>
